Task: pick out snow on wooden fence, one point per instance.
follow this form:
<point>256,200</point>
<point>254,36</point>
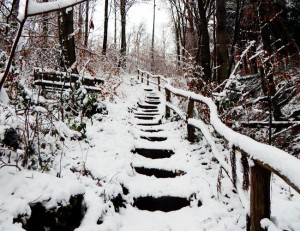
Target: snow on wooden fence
<point>62,80</point>
<point>265,159</point>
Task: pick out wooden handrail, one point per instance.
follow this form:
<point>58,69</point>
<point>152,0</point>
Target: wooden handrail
<point>267,159</point>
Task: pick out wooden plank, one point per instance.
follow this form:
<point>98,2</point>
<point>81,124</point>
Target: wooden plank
<point>60,80</point>
<point>62,85</point>
<point>260,202</point>
<point>62,77</point>
<point>264,124</point>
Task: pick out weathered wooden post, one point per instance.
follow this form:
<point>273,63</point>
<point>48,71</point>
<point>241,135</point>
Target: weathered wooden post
<point>190,113</point>
<point>259,196</point>
<point>138,72</point>
<point>147,79</point>
<point>158,82</point>
<point>168,99</point>
<point>142,77</point>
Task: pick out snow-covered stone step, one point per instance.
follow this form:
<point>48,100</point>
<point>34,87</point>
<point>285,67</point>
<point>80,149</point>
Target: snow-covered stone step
<point>160,133</point>
<point>169,164</point>
<point>146,106</point>
<point>143,186</point>
<point>146,113</point>
<point>171,143</point>
<point>188,218</point>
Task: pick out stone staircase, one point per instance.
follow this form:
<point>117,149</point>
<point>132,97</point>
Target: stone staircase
<point>165,190</point>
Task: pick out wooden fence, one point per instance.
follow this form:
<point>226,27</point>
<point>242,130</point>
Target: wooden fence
<point>266,159</point>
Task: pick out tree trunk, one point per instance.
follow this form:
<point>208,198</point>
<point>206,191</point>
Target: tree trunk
<point>11,18</point>
<point>80,23</point>
<point>238,13</point>
<point>203,54</point>
<point>45,25</point>
<point>267,70</point>
<point>67,38</point>
<point>152,41</point>
<point>122,62</point>
<point>115,29</point>
<point>86,32</point>
<point>177,38</point>
<point>221,35</point>
<point>11,55</point>
<point>104,47</point>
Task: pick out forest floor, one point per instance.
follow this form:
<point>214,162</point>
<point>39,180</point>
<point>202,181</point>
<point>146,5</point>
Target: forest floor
<point>108,165</point>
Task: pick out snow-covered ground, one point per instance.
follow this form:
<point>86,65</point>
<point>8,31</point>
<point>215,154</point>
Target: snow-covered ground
<point>106,158</point>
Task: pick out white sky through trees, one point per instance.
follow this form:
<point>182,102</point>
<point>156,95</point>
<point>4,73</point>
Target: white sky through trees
<point>138,13</point>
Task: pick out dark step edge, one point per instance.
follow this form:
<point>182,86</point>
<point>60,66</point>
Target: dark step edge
<point>164,203</point>
<point>150,124</point>
<point>143,106</point>
<point>152,130</point>
<point>153,139</point>
<point>144,117</point>
<point>159,173</point>
<point>152,102</point>
<point>146,114</point>
<point>150,110</point>
<point>154,153</point>
<point>152,97</point>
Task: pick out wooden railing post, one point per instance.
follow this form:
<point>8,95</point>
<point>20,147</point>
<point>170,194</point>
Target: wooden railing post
<point>168,99</point>
<point>158,82</point>
<point>142,77</point>
<point>190,113</point>
<point>259,196</point>
<point>147,79</point>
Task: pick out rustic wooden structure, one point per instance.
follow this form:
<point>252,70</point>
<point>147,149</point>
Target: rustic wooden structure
<point>260,172</point>
<point>54,80</point>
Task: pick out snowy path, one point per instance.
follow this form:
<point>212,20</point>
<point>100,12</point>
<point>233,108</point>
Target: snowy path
<point>170,187</point>
<point>137,171</point>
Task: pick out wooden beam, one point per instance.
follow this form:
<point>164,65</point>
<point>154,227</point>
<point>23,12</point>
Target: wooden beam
<point>190,113</point>
<point>147,79</point>
<point>260,202</point>
<point>158,83</point>
<point>168,99</point>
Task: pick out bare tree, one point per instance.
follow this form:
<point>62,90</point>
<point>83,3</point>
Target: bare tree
<point>105,33</point>
<point>221,35</point>
<point>125,5</point>
<point>66,37</point>
<point>33,10</point>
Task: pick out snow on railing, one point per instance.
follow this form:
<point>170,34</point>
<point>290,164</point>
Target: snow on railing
<point>145,76</point>
<point>266,159</point>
